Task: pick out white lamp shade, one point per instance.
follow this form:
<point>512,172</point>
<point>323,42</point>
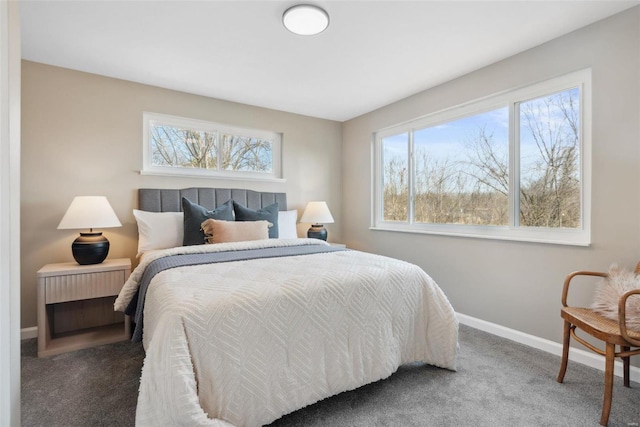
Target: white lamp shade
<point>317,213</point>
<point>89,212</point>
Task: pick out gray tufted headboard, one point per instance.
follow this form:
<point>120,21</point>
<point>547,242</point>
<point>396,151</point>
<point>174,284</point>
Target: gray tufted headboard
<point>163,200</point>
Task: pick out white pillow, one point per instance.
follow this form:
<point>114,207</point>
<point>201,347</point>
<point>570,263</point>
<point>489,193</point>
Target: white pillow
<point>287,228</point>
<point>158,230</point>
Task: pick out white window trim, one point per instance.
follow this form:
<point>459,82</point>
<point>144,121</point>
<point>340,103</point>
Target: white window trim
<point>577,237</point>
<point>149,169</point>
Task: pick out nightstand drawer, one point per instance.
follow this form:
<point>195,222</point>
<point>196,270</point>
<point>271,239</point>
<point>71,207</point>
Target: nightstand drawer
<point>74,287</point>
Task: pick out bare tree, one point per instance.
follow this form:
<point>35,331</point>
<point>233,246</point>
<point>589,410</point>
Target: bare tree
<point>550,189</point>
<point>396,190</point>
<point>438,191</point>
<point>549,184</point>
<point>475,190</point>
<point>245,153</point>
<point>486,164</point>
<point>173,146</point>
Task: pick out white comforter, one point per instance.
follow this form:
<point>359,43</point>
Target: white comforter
<point>243,343</point>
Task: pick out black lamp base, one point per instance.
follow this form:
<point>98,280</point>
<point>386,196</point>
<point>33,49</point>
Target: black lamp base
<point>317,231</point>
<point>90,248</point>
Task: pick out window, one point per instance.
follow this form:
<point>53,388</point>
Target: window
<point>512,166</point>
<point>187,147</point>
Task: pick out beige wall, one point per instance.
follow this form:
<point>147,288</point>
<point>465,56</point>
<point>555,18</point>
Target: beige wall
<point>514,284</point>
<point>82,135</point>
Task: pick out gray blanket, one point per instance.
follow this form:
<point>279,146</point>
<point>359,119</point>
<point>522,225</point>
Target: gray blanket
<point>136,306</point>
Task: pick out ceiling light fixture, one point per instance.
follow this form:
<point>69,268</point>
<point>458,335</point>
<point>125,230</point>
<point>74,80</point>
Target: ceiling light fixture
<point>305,19</point>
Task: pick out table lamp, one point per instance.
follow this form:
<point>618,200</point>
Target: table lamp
<point>317,213</point>
<point>89,212</point>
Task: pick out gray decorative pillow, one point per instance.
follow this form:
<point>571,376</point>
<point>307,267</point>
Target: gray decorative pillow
<point>194,215</point>
<point>609,291</point>
<point>268,213</point>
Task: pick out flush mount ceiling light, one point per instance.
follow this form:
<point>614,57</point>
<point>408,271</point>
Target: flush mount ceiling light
<point>305,19</point>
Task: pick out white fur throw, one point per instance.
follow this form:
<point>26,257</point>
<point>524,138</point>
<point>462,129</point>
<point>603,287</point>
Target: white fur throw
<point>609,291</point>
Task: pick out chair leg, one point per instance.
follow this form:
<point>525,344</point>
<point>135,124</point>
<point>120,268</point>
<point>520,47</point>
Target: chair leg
<point>625,366</point>
<point>608,383</point>
<point>565,351</point>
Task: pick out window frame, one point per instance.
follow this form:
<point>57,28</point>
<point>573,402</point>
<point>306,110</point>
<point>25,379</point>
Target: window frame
<point>511,99</point>
<point>149,119</point>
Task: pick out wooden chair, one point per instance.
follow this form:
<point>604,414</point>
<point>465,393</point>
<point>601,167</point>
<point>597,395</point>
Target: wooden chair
<point>611,332</point>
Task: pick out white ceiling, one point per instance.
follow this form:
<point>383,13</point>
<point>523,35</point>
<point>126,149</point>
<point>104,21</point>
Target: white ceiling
<point>372,54</point>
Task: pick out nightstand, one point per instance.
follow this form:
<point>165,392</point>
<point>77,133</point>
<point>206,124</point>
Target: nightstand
<point>75,305</point>
<point>337,245</point>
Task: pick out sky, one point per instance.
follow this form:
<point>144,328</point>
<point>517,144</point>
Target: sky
<point>451,140</point>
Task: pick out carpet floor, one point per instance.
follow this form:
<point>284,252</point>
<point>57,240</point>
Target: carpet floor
<point>498,383</point>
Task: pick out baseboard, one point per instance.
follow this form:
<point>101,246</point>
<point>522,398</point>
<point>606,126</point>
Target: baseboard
<point>27,333</point>
<point>575,354</point>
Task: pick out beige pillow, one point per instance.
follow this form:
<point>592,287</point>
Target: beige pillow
<point>609,291</point>
<point>217,231</point>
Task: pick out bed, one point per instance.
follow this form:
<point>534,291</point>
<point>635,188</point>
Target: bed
<point>242,332</point>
